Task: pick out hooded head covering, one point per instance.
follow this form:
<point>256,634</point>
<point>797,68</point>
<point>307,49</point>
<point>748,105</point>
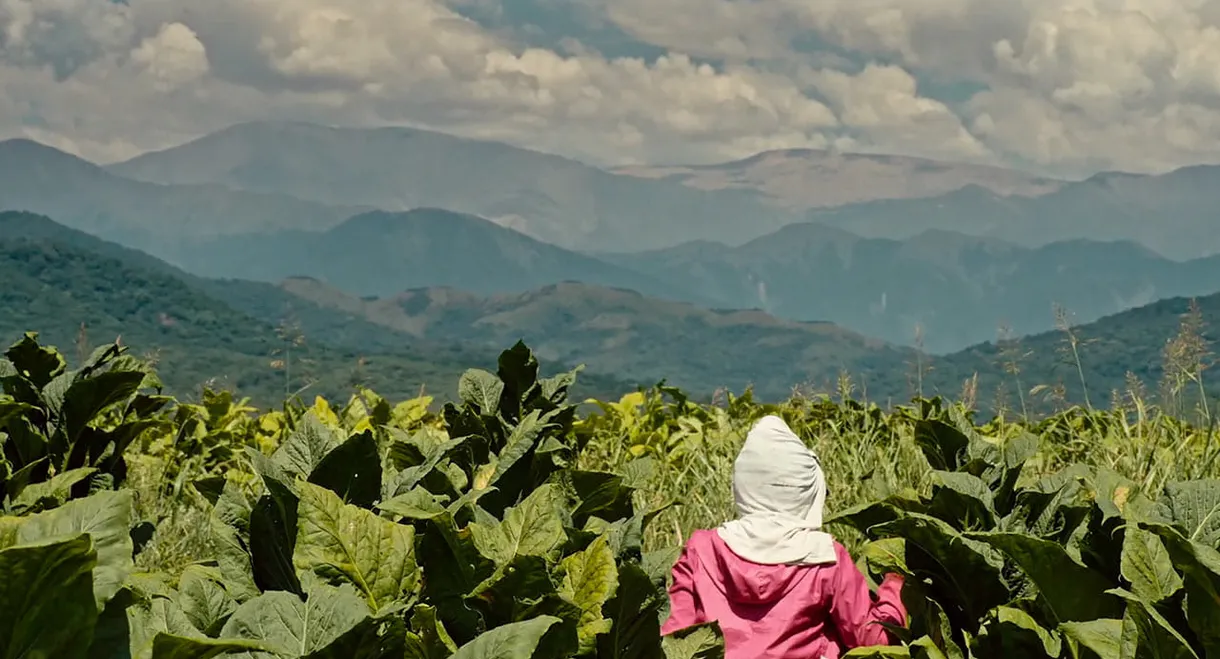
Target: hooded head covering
<point>780,491</point>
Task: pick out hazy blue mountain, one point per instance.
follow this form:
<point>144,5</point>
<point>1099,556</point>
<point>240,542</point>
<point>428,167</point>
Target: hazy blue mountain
<point>548,197</point>
<point>225,332</point>
<point>960,289</point>
<point>803,179</point>
<point>381,253</point>
<point>1177,214</point>
<point>156,218</point>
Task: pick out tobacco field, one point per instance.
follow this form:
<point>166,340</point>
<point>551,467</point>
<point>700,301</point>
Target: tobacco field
<point>516,523</point>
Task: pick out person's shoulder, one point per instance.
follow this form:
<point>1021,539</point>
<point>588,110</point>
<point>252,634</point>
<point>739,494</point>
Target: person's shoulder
<point>842,553</point>
<point>702,537</point>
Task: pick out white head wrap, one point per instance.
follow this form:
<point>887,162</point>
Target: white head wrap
<point>780,491</point>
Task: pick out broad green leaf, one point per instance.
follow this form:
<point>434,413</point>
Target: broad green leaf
<point>482,390</point>
<point>352,470</point>
<point>626,536</point>
<point>417,503</point>
<point>508,594</point>
<point>590,579</point>
<point>34,362</point>
<point>698,642</point>
<point>943,445</point>
<point>1146,565</point>
<point>370,639</point>
<point>1102,637</point>
<point>519,443</point>
<point>307,446</point>
<point>434,641</point>
<point>147,618</point>
<point>106,517</point>
<point>1200,566</point>
<point>1072,591</point>
<point>659,564</point>
<point>518,640</point>
<point>411,476</point>
<point>1195,507</point>
<point>1146,633</point>
<point>50,493</point>
<point>965,572</point>
<point>203,599</point>
<point>47,607</point>
<point>341,542</point>
<point>168,646</point>
<point>86,398</point>
<point>865,517</point>
<point>532,528</point>
<point>886,556</point>
<point>273,535</point>
<point>518,370</point>
<point>962,500</point>
<point>634,611</point>
<point>454,568</point>
<point>924,648</point>
<point>232,559</point>
<point>599,494</point>
<point>1013,632</point>
<point>288,625</point>
<point>878,652</point>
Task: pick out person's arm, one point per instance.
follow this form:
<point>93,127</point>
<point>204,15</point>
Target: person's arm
<point>856,611</point>
<point>684,608</point>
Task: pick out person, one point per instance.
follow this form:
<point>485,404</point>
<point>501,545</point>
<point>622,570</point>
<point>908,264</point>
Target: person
<point>777,584</point>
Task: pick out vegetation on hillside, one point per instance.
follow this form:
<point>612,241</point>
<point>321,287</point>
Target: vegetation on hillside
<point>509,525</point>
<point>252,337</point>
<point>268,341</point>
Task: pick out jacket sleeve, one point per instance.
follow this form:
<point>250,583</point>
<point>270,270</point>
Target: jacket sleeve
<point>856,611</point>
<point>684,608</point>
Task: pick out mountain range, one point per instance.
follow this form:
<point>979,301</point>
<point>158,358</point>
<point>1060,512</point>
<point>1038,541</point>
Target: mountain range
<point>232,331</point>
<point>803,179</point>
<point>939,255</point>
<point>547,197</point>
<point>242,334</point>
<point>955,290</point>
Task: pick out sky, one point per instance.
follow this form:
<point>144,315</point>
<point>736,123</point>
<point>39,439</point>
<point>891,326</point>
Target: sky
<point>1062,87</point>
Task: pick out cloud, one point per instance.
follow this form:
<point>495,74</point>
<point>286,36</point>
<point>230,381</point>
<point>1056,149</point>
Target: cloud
<point>1067,85</point>
<point>1070,85</point>
<point>165,70</point>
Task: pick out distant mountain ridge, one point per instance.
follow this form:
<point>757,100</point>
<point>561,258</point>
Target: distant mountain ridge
<point>234,331</point>
<point>548,197</point>
<point>624,332</point>
<point>958,289</point>
<point>152,217</point>
<point>381,253</point>
<point>58,278</point>
<point>1174,214</point>
<point>802,179</point>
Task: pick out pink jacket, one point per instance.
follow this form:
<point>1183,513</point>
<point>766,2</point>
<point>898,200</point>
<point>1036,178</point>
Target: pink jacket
<point>780,611</point>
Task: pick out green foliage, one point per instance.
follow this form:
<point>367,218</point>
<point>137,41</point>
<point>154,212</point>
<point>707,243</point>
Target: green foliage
<point>365,532</point>
<point>507,526</point>
<point>66,432</point>
<point>998,563</point>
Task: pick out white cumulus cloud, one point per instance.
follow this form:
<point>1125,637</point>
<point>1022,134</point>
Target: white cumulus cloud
<point>1067,85</point>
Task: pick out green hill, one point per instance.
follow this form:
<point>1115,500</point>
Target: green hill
<point>241,334</point>
<point>1113,353</point>
<point>228,333</point>
<point>632,336</point>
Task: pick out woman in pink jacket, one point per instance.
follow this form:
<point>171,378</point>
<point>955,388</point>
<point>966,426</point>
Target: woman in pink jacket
<point>779,586</point>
